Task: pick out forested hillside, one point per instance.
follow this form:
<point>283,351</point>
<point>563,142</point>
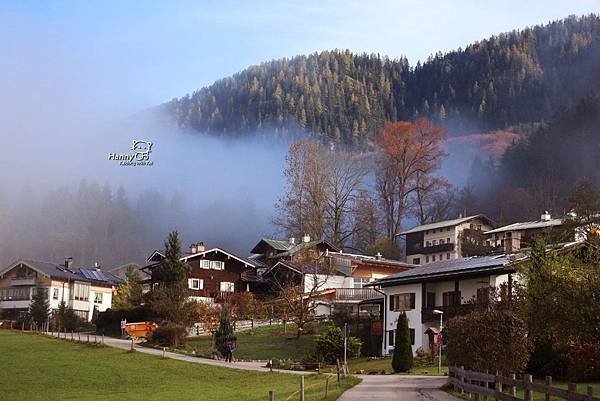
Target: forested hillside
<point>514,78</point>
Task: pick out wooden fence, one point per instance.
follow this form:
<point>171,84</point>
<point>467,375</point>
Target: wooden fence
<point>503,388</point>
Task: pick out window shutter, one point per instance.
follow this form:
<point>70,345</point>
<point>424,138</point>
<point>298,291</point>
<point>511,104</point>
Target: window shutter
<point>190,283</point>
<point>201,284</point>
<point>392,302</point>
<point>412,300</point>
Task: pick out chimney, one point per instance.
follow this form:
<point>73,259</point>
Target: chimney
<point>68,262</point>
<point>378,256</point>
<point>292,240</point>
<point>546,216</point>
<point>200,247</point>
<point>97,266</point>
<point>193,249</point>
<point>306,238</point>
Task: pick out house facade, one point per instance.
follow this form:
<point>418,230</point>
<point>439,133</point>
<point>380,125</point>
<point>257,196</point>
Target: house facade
<point>433,242</point>
<point>516,236</point>
<point>214,275</point>
<point>453,286</point>
<point>86,290</point>
<point>270,251</point>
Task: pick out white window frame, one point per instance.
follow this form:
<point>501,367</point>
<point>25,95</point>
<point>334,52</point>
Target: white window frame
<point>226,286</point>
<point>96,297</point>
<point>205,264</point>
<point>199,284</point>
<point>55,293</point>
<point>217,265</point>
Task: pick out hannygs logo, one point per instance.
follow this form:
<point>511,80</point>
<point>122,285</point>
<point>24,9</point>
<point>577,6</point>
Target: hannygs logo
<point>139,156</point>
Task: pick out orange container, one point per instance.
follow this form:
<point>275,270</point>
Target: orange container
<point>140,329</point>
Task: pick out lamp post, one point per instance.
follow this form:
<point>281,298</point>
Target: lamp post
<point>441,313</point>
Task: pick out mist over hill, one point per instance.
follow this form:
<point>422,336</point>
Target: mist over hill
<point>515,78</point>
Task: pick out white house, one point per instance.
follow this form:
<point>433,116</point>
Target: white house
<point>83,289</point>
<point>447,286</point>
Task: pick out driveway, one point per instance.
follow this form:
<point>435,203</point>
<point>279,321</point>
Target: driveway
<point>397,387</point>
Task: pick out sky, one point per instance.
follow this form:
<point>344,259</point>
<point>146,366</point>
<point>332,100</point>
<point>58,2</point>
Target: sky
<point>120,56</point>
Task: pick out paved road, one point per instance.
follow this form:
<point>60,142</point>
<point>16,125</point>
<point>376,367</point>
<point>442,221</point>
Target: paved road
<point>398,388</point>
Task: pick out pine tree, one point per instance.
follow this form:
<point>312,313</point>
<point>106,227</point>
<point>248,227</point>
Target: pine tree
<point>40,307</point>
<point>224,333</point>
<point>402,360</point>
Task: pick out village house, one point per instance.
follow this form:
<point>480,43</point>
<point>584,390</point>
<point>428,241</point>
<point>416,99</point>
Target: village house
<point>521,235</point>
<point>445,289</point>
<point>270,251</point>
<point>86,290</point>
<point>338,280</point>
<point>214,275</point>
<point>433,242</point>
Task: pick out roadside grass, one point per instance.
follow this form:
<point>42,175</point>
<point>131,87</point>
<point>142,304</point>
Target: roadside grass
<point>422,366</point>
<point>262,343</point>
<point>35,367</point>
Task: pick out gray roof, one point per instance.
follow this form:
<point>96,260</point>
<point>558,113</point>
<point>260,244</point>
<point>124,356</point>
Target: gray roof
<point>60,272</point>
<point>445,268</point>
<point>527,225</point>
<point>445,223</point>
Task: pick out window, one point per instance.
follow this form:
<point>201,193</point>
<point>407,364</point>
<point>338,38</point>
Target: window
<point>55,293</point>
<point>451,298</point>
<point>441,241</point>
<point>226,286</point>
<point>430,299</point>
<point>448,229</point>
<point>359,282</point>
<point>426,259</point>
<point>205,264</point>
<point>391,337</point>
<point>447,240</point>
<point>434,242</point>
<point>412,336</point>
<point>433,258</point>
<point>81,292</point>
<point>417,261</point>
<point>428,243</point>
<point>479,227</point>
<point>217,265</point>
<point>98,298</point>
<point>402,302</point>
<point>195,283</point>
<point>448,256</point>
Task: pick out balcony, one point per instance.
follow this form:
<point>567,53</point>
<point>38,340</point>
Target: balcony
<point>22,281</point>
<point>440,248</point>
<point>428,316</point>
<point>355,294</point>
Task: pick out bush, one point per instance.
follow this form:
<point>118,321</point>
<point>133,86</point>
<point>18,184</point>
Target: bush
<point>402,360</point>
<point>330,345</point>
<point>224,333</point>
<point>168,334</point>
<point>583,361</point>
<point>488,339</point>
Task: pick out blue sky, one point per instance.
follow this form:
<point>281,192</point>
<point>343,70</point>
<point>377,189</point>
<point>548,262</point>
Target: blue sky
<point>126,55</point>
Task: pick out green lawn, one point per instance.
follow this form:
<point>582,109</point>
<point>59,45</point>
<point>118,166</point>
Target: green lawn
<point>34,367</point>
<point>421,366</point>
<point>262,343</point>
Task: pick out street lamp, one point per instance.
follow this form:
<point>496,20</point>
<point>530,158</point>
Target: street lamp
<point>441,313</point>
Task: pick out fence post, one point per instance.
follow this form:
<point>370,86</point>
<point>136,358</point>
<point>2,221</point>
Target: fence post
<point>271,397</point>
<point>102,339</point>
<point>88,338</point>
<point>513,388</point>
<point>302,388</point>
<point>572,390</point>
<point>327,387</point>
<point>548,384</point>
<point>164,351</point>
<point>497,386</point>
<point>72,336</point>
<point>528,393</point>
<point>590,390</point>
<point>462,379</point>
<point>79,336</point>
<point>132,343</point>
<point>486,384</point>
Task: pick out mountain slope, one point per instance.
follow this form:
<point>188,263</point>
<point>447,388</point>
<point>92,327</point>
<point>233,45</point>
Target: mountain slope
<point>513,78</point>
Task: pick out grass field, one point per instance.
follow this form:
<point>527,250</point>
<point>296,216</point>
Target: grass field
<point>34,368</point>
<point>421,366</point>
<point>269,342</point>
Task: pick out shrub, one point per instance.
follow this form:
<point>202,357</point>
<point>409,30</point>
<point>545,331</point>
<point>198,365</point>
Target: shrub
<point>330,345</point>
<point>402,360</point>
<point>488,339</point>
<point>168,334</point>
<point>583,361</point>
<point>224,333</point>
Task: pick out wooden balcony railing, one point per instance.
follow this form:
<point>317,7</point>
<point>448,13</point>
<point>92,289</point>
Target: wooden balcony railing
<point>427,314</point>
<point>355,294</point>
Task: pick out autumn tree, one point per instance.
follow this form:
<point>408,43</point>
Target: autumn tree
<point>130,293</point>
<point>410,153</point>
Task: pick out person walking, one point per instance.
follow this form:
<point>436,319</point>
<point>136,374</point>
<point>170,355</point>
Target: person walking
<point>231,346</point>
